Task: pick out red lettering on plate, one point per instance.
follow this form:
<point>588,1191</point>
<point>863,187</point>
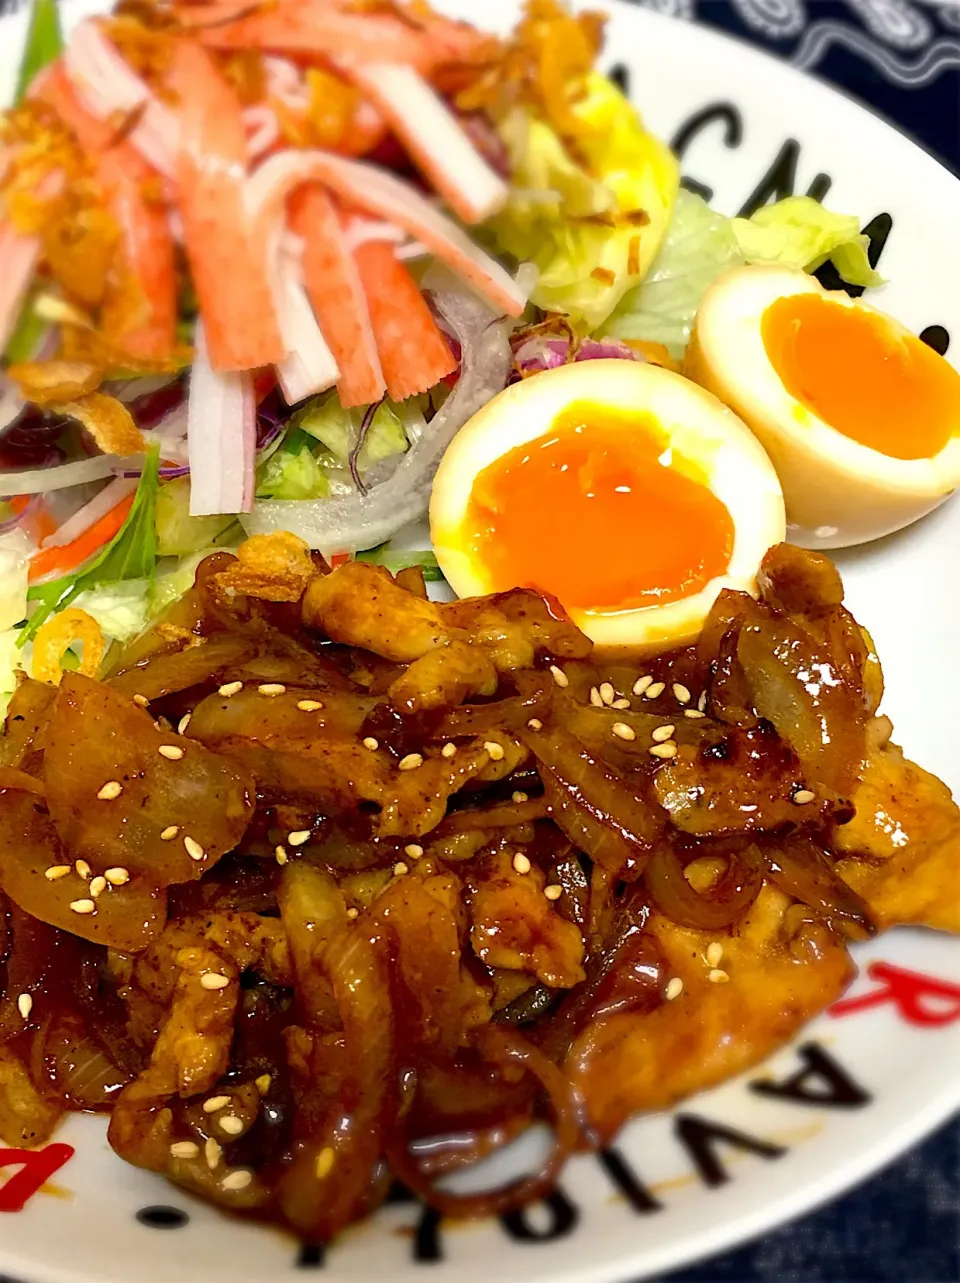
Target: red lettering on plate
<point>920,999</point>
<point>36,1168</point>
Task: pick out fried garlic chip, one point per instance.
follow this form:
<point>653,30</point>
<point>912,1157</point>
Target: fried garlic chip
<point>108,421</point>
<point>275,567</point>
<point>56,637</point>
<point>46,382</point>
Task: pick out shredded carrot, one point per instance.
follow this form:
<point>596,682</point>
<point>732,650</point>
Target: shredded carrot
<point>633,257</point>
<point>603,274</point>
<point>53,562</point>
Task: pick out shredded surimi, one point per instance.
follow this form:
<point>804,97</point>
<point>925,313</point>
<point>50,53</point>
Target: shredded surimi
<point>310,366</point>
<point>221,437</point>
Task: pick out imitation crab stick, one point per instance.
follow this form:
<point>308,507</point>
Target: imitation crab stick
<point>434,138</point>
<point>336,293</point>
<point>227,256</point>
<point>124,174</point>
<point>414,354</point>
<point>375,191</point>
<point>62,559</point>
<point>18,262</point>
<point>318,26</point>
<point>112,91</point>
<point>309,366</point>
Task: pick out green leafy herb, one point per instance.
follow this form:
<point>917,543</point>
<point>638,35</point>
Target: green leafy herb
<point>394,561</point>
<point>44,44</point>
<point>131,554</point>
<point>26,336</point>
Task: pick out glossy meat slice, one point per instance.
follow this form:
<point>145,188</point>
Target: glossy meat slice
<point>781,968</point>
<point>901,850</point>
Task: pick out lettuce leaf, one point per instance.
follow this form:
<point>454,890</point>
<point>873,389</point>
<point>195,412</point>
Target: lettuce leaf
<point>592,221</point>
<point>384,555</point>
<point>295,471</point>
<point>699,245</point>
<point>11,662</point>
<point>336,428</point>
<point>799,232</point>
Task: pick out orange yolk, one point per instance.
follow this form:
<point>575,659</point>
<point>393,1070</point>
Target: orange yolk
<point>599,513</point>
<point>888,392</point>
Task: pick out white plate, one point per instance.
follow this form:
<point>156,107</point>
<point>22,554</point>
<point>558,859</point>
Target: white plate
<point>900,1078</point>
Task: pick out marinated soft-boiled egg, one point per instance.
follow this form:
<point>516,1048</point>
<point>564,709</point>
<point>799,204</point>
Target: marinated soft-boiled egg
<point>860,417</point>
<point>624,490</point>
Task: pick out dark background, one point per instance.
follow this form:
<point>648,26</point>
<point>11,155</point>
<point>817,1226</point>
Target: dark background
<point>905,1223</point>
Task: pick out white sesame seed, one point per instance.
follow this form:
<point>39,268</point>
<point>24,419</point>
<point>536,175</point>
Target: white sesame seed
<point>83,906</point>
<point>714,953</point>
<point>212,1153</point>
<point>141,700</point>
<point>25,1005</point>
<point>674,988</point>
<point>371,743</point>
<point>662,733</point>
<point>623,731</point>
<point>353,913</point>
<point>271,688</point>
<point>117,877</point>
<point>702,702</point>
<point>325,1161</point>
<point>262,1084</point>
<point>237,1180</point>
<point>411,762</point>
<point>559,676</point>
<point>494,749</point>
<point>399,869</point>
<point>281,855</point>
<point>553,892</point>
<point>213,1103</point>
<point>620,704</point>
<point>680,693</point>
<point>232,1125</point>
<point>607,693</point>
<point>521,863</point>
<point>299,837</point>
<point>169,832</point>
<point>230,688</point>
<point>183,723</point>
<point>193,848</point>
<point>693,713</point>
<point>717,977</point>
<point>97,888</point>
<point>535,724</point>
<point>56,872</point>
<point>803,796</point>
<point>595,698</point>
<point>448,750</point>
<point>641,684</point>
<point>309,705</point>
<point>414,850</point>
<point>213,980</point>
<point>518,797</point>
<point>172,752</point>
<point>110,790</point>
<point>667,750</point>
<point>184,1149</point>
<point>83,870</point>
<point>656,690</point>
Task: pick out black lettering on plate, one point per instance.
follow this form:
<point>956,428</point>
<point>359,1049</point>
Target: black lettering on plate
<point>620,75</point>
<point>700,1136</point>
<point>821,1081</point>
<point>937,337</point>
<point>732,121</point>
<point>564,1217</point>
<point>780,180</point>
<point>163,1218</point>
<point>627,1182</point>
<point>311,1256</point>
<point>877,232</point>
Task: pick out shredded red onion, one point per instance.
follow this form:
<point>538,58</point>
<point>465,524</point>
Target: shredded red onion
<point>546,352</point>
<point>18,518</point>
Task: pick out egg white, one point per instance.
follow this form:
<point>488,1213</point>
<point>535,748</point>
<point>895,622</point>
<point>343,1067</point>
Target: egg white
<point>837,491</point>
<point>697,426</point>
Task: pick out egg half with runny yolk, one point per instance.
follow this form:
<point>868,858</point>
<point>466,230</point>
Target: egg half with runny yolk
<point>622,489</point>
<point>860,417</point>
